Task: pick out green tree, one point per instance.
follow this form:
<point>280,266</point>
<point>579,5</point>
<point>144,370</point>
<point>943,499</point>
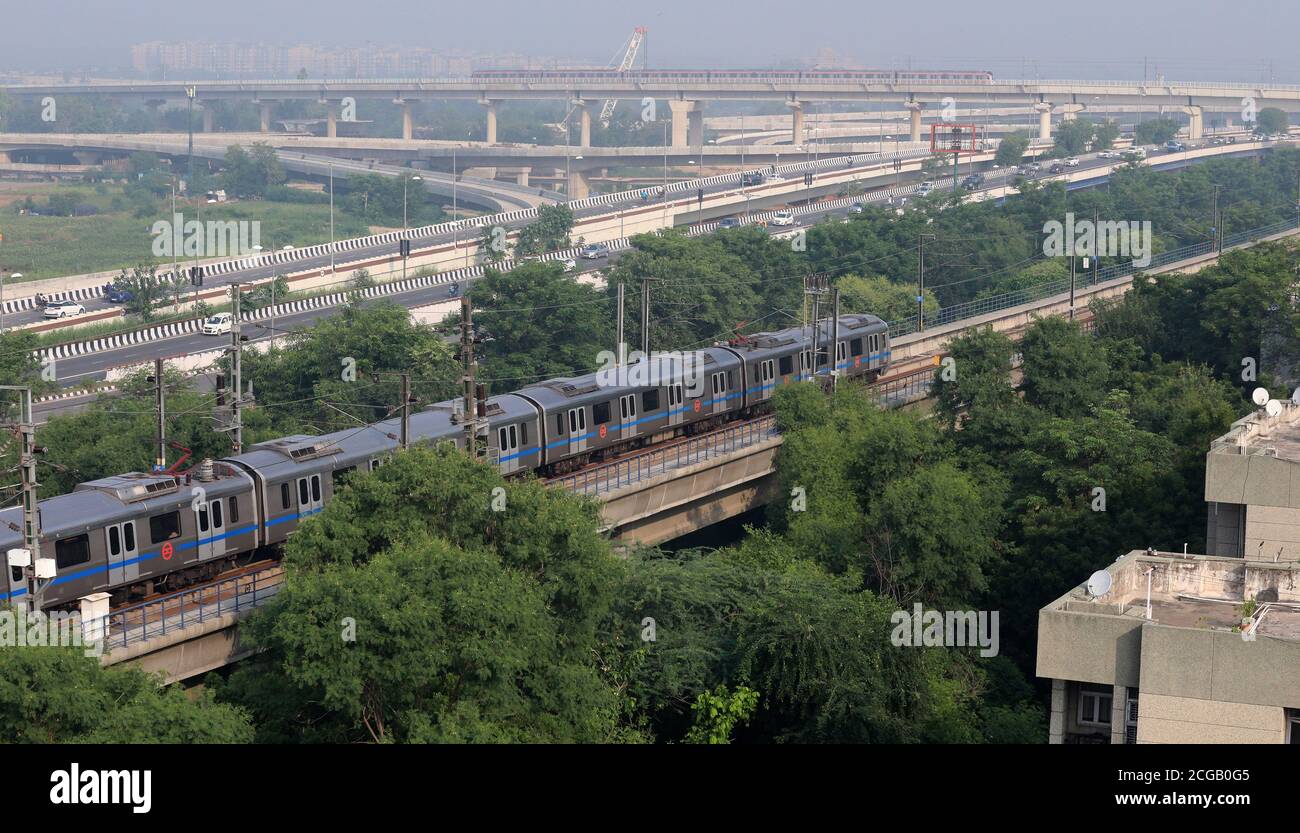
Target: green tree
<point>548,233</point>
<point>1271,120</point>
<point>1011,150</point>
<point>882,297</point>
<point>718,712</point>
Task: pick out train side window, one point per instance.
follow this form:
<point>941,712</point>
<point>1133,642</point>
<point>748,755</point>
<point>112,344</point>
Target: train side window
<point>114,541</point>
<point>303,497</point>
<point>559,424</point>
<point>315,488</point>
<point>234,510</point>
<point>164,527</point>
<point>650,401</point>
<point>128,535</point>
<point>216,514</point>
<point>855,347</point>
<point>523,433</point>
<point>757,373</point>
<point>69,552</point>
<point>203,517</point>
<point>501,439</point>
<point>514,437</point>
<point>787,365</point>
<point>284,496</point>
<point>731,380</point>
<point>600,413</point>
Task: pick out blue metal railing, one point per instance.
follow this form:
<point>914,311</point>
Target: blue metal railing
<point>186,608</point>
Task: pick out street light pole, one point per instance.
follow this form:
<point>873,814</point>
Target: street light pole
<point>333,273</point>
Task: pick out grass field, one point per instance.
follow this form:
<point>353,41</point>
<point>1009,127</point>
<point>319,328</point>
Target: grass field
<point>116,238</point>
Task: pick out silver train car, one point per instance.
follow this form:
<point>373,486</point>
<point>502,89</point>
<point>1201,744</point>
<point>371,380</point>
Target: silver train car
<point>134,535</point>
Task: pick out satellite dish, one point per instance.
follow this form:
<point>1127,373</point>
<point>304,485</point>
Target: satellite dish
<point>1098,584</point>
<point>1260,396</point>
<point>1273,408</point>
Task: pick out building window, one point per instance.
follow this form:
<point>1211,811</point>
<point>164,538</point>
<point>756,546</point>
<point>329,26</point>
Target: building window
<point>1095,705</point>
<point>165,527</point>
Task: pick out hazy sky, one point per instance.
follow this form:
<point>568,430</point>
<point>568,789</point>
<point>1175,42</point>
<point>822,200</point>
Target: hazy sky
<point>1231,39</point>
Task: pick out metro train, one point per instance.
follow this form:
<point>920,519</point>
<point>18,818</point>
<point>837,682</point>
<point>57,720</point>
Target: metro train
<point>889,76</point>
<point>137,534</point>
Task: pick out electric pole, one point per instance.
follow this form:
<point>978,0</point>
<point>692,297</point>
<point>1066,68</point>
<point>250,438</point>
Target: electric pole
<point>619,350</point>
<point>645,316</point>
<point>31,515</point>
<point>470,390</point>
<point>236,368</point>
<point>1218,226</point>
<point>406,410</point>
<point>920,284</point>
<point>160,431</point>
<point>835,337</point>
<point>1072,284</point>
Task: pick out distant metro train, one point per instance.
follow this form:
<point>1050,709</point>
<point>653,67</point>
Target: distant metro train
<point>890,76</point>
<point>135,534</point>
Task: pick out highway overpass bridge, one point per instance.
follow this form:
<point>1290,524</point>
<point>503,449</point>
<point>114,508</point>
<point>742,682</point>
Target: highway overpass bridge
<point>687,95</point>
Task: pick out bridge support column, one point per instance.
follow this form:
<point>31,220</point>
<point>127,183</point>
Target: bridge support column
<point>521,176</point>
<point>584,122</point>
<point>914,115</point>
<point>5,158</point>
<point>1069,112</point>
<point>408,128</point>
<point>796,122</point>
<point>579,185</point>
<point>1044,110</point>
<point>688,123</point>
<point>207,119</point>
<point>1195,121</point>
<point>265,109</point>
<point>331,122</point>
<point>491,107</point>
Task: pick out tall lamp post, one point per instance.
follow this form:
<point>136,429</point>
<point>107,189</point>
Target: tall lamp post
<point>406,180</point>
<point>2,298</point>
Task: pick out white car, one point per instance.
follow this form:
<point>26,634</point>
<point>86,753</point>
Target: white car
<point>219,324</point>
<point>1107,154</point>
<point>783,218</point>
<point>63,309</point>
<point>1072,162</point>
<point>569,264</point>
<point>774,177</point>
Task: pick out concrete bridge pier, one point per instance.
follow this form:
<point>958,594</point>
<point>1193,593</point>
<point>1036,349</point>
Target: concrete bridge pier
<point>491,106</point>
<point>521,176</point>
<point>796,122</point>
<point>265,113</point>
<point>579,185</point>
<point>207,118</point>
<point>688,123</point>
<point>408,128</point>
<point>1069,112</point>
<point>584,121</point>
<point>914,115</point>
<point>1195,121</point>
<point>1044,109</point>
<point>331,121</point>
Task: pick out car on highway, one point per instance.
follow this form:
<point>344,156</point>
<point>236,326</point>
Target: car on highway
<point>453,289</point>
<point>775,177</point>
<point>729,222</point>
<point>924,189</point>
<point>593,251</point>
<point>1056,169</point>
<point>218,324</point>
<point>856,208</point>
<point>118,295</point>
<point>568,264</point>
<point>752,178</point>
<point>63,309</point>
<point>1108,154</point>
<point>784,217</point>
<point>1172,146</point>
<point>1072,162</point>
<point>1034,166</point>
<point>972,181</point>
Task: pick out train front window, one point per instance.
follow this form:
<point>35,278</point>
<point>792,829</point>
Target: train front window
<point>69,552</point>
<point>164,527</point>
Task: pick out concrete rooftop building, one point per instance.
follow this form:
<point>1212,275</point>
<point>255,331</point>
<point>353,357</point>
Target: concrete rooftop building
<point>1252,486</point>
<point>1181,649</point>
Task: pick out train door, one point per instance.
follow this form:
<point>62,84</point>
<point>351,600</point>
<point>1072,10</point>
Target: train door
<point>841,354</point>
<point>508,448</point>
<point>310,498</point>
<point>210,521</point>
<point>805,365</point>
<point>122,553</point>
<point>577,430</point>
<point>719,392</point>
<point>766,377</point>
<point>676,413</point>
<point>627,416</point>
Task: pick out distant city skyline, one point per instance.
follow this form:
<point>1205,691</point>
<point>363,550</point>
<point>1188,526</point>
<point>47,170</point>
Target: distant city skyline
<point>1249,40</point>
